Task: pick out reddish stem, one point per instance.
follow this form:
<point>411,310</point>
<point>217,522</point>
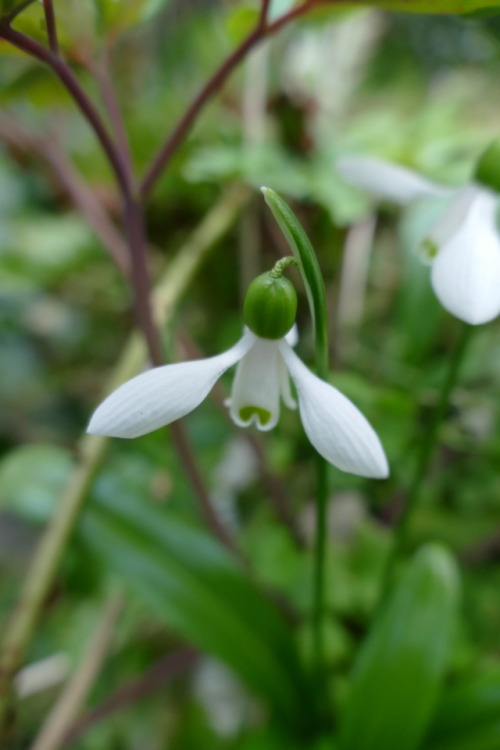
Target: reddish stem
<point>50,20</point>
<point>261,31</point>
<point>66,76</point>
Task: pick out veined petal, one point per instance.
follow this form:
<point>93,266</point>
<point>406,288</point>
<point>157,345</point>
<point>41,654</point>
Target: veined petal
<point>255,395</point>
<point>465,274</point>
<point>336,428</point>
<point>163,394</point>
<point>385,180</point>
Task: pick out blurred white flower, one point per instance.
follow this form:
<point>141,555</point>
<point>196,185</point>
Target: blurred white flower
<point>463,245</point>
<point>335,427</point>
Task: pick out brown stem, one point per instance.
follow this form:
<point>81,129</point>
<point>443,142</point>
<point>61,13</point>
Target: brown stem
<point>214,83</point>
<point>134,225</point>
<point>133,692</point>
<point>50,20</point>
<point>277,491</point>
<point>102,73</point>
<point>264,10</point>
<point>70,82</point>
<point>208,512</point>
<point>74,693</point>
<point>22,141</point>
<point>13,14</point>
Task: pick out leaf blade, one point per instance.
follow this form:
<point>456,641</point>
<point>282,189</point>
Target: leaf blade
<point>195,586</point>
<point>399,672</point>
<point>310,271</point>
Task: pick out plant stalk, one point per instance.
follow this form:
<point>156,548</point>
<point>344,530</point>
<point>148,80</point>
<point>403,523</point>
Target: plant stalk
<point>426,451</point>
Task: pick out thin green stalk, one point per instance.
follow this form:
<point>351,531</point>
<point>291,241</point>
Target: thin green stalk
<point>313,281</point>
<point>322,471</point>
<point>319,574</point>
<point>427,447</point>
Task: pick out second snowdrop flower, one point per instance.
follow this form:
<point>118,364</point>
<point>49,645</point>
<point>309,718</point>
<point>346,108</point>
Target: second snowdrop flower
<point>265,361</point>
<point>463,245</point>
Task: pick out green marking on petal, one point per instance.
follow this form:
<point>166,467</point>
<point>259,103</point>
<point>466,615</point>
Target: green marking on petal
<point>428,250</point>
<point>247,412</point>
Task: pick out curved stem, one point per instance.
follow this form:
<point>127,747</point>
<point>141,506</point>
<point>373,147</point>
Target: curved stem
<point>180,131</point>
<point>14,13</point>
<point>427,447</point>
<point>134,229</point>
<point>319,577</point>
<point>70,82</point>
<point>50,20</point>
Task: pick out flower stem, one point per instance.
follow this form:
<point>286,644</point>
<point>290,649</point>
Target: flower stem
<point>279,267</point>
<point>50,20</point>
<point>319,576</point>
<point>322,470</point>
<point>427,447</point>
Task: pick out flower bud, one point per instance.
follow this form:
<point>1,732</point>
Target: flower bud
<point>270,306</point>
<point>488,167</point>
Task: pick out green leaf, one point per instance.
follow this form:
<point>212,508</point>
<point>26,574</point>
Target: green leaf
<point>200,591</point>
<point>398,675</point>
<point>468,716</point>
<point>309,269</point>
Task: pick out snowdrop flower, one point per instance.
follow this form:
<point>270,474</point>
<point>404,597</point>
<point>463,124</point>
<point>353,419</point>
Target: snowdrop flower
<point>265,361</point>
<point>463,245</point>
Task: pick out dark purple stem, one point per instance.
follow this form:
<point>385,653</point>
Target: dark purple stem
<point>11,16</point>
<point>135,691</point>
<point>66,76</point>
<point>133,220</point>
<point>50,20</point>
<point>181,130</point>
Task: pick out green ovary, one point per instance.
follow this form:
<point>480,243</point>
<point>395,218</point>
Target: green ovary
<point>248,412</point>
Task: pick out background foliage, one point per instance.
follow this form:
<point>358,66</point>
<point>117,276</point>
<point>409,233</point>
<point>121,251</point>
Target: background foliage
<point>415,89</point>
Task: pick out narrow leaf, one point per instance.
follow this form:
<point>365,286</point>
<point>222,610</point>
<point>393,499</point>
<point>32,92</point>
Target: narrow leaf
<point>196,587</point>
<point>399,673</point>
<point>309,268</point>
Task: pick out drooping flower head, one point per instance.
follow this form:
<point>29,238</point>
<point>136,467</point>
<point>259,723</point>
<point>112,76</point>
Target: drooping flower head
<point>265,363</point>
<point>463,245</point>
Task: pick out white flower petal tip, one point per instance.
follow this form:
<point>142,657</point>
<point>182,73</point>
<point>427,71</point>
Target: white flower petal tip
<point>388,181</point>
<point>465,274</point>
<point>162,395</point>
<point>255,395</point>
<point>335,427</point>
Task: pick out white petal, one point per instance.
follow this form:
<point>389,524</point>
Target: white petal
<point>465,274</point>
<point>162,395</point>
<point>293,335</point>
<point>255,395</point>
<point>285,389</point>
<point>336,428</point>
<point>385,180</point>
